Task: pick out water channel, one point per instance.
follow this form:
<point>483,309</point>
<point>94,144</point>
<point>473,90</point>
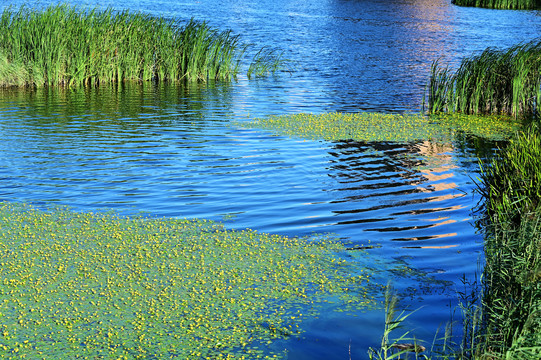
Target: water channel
<point>172,150</point>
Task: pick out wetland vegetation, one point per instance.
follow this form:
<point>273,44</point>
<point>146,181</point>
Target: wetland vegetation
<point>493,82</point>
<point>510,321</point>
<point>63,45</point>
<point>385,127</point>
<point>77,285</point>
<point>101,285</point>
<point>501,4</point>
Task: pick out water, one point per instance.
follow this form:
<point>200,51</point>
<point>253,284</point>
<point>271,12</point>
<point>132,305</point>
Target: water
<point>172,151</point>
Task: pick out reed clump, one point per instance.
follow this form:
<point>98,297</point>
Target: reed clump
<point>64,45</point>
<point>501,4</point>
<point>493,82</point>
<point>511,186</point>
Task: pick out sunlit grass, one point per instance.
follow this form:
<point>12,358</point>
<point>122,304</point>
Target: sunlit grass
<point>92,285</point>
<point>384,127</point>
<point>494,82</point>
<point>501,4</point>
<point>69,46</point>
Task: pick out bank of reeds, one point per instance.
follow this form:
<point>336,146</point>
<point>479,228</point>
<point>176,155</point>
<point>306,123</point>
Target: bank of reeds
<point>501,4</point>
<point>64,45</point>
<point>493,82</point>
<point>511,186</point>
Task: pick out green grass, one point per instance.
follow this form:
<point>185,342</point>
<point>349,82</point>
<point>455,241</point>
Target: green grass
<point>494,82</point>
<point>78,285</point>
<point>511,185</point>
<point>511,181</point>
<point>501,4</point>
<point>384,127</point>
<point>65,45</point>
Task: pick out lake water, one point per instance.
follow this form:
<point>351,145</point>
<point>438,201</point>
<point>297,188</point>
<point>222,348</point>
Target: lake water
<point>173,151</point>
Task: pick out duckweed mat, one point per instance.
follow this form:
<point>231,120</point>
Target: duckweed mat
<point>385,127</point>
<point>99,285</point>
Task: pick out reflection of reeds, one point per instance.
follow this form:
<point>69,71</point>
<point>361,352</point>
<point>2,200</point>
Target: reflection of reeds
<point>62,45</point>
<point>501,4</point>
<point>494,82</point>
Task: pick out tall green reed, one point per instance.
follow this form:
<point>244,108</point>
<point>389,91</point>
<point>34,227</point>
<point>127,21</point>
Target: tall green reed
<point>493,82</point>
<point>64,45</point>
<point>501,4</point>
<point>396,348</point>
<point>510,183</point>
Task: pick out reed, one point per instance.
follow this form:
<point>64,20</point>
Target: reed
<point>511,181</point>
<point>64,45</point>
<point>493,82</point>
<point>501,4</point>
<point>402,345</point>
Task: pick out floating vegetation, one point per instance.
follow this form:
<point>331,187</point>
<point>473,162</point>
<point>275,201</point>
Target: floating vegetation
<point>494,82</point>
<point>384,127</point>
<point>62,45</point>
<point>93,285</point>
<point>501,4</point>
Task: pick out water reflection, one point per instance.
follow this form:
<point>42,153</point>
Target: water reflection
<point>404,192</point>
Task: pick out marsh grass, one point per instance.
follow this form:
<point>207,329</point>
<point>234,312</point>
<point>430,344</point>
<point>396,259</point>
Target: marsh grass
<point>384,127</point>
<point>494,82</point>
<point>399,347</point>
<point>501,4</point>
<point>511,180</point>
<point>511,185</point>
<point>64,45</point>
<point>266,61</point>
<point>96,285</point>
<point>512,293</point>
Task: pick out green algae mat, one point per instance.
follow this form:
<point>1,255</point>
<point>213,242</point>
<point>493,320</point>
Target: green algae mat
<point>98,285</point>
<point>385,127</point>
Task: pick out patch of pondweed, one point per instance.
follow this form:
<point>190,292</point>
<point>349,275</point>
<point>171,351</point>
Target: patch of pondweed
<point>77,285</point>
<point>384,127</point>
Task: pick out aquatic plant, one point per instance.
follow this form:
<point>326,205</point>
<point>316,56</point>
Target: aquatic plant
<point>511,181</point>
<point>501,4</point>
<point>93,285</point>
<point>394,349</point>
<point>493,82</point>
<point>64,45</point>
<point>383,127</point>
<point>511,312</point>
<point>266,61</point>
